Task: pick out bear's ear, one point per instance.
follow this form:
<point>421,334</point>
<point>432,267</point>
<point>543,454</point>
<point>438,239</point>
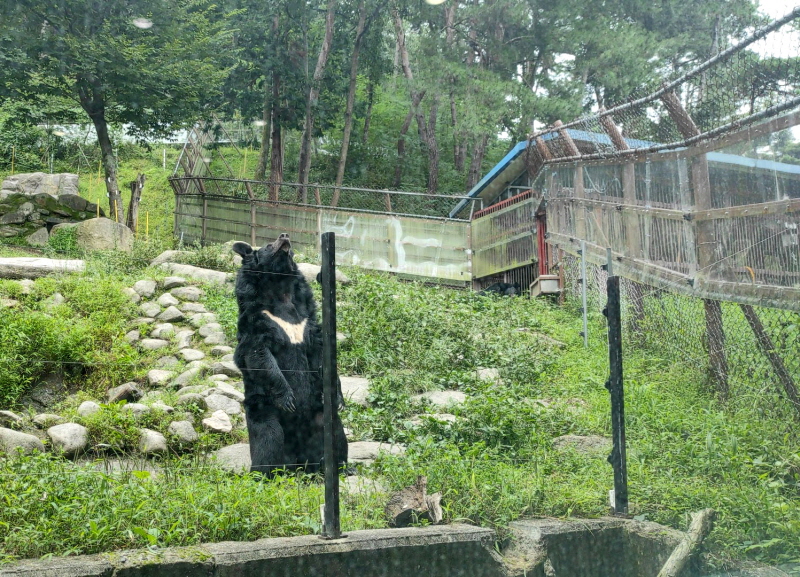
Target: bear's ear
<point>242,248</point>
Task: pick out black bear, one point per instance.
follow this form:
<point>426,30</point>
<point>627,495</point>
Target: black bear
<point>503,289</point>
<point>279,352</point>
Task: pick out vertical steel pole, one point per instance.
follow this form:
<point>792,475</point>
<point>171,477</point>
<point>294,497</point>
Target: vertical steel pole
<point>618,457</point>
<point>584,290</point>
<point>331,528</point>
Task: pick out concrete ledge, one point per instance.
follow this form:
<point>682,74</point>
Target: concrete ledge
<point>438,551</point>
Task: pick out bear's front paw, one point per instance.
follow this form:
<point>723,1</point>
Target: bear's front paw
<point>285,402</point>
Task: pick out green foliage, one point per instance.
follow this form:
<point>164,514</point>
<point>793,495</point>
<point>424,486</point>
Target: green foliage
<point>41,338</point>
<point>64,242</point>
<point>194,502</point>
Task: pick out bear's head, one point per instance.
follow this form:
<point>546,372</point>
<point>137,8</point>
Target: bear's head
<point>276,258</point>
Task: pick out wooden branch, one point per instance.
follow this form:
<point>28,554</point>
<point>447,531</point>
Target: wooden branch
<point>768,348</point>
<point>702,523</point>
<point>133,208</point>
<point>412,504</point>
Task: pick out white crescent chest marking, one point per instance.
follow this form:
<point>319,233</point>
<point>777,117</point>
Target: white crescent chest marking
<point>294,331</point>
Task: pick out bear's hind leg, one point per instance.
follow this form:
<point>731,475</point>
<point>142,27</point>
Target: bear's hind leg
<point>266,437</point>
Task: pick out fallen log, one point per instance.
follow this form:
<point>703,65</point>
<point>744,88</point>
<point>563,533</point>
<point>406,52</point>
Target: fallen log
<point>34,267</point>
<point>700,527</point>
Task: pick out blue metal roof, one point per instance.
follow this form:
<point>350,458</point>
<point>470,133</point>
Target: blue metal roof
<point>604,139</point>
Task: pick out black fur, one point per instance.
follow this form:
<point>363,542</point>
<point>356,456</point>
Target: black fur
<point>503,289</point>
<point>282,379</point>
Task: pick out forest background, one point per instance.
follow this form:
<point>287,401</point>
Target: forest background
<point>374,93</point>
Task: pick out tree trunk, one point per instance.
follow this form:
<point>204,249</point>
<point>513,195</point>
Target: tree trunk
<point>351,98</point>
<point>311,103</point>
<point>263,155</point>
<point>401,143</point>
<point>459,147</point>
<point>368,117</point>
<point>427,130</point>
<point>478,152</point>
<point>109,165</point>
<point>276,157</point>
<point>137,186</point>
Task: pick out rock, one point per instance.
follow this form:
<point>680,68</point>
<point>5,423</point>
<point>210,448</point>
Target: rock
<point>310,272</point>
<point>9,419</point>
<point>152,442</point>
<point>221,350</point>
<point>183,432</point>
<point>162,406</point>
<point>187,293</point>
<point>223,403</point>
<point>167,300</point>
<point>145,288</point>
<point>45,393</point>
<point>13,218</point>
<point>360,485</point>
<point>191,354</point>
<point>226,358</point>
<point>340,337</point>
<point>103,234</point>
<point>192,389</point>
<point>226,390</point>
<point>186,377</point>
<point>587,445</point>
<point>162,331</point>
<point>153,344</point>
<point>7,231</point>
<point>168,256</point>
<point>215,339</point>
<point>365,452</point>
<point>142,321</point>
<point>138,409</point>
<point>30,267</point>
<point>234,458</point>
<point>193,308</point>
<point>70,438</point>
<point>190,399</point>
<point>158,377</point>
<point>218,378</point>
<point>197,273</point>
<point>184,339</point>
<point>150,309</point>
<point>218,422</point>
<point>355,390</point>
<point>32,183</point>
<point>132,336</point>
<point>126,392</point>
<point>202,365</point>
<point>167,362</point>
<point>171,315</point>
<point>12,441</point>
<point>210,328</point>
<point>200,319</point>
<point>132,294</point>
<point>26,286</point>
<point>488,375</point>
<point>88,408</point>
<point>45,420</point>
<point>172,282</point>
<point>8,303</point>
<point>38,238</point>
<point>54,300</point>
<point>441,399</point>
<point>226,368</point>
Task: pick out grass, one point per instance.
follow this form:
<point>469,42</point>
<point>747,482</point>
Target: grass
<point>496,463</point>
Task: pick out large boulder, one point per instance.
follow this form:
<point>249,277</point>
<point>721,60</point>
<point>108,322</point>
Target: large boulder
<point>104,234</point>
<point>12,441</point>
<point>31,267</point>
<point>39,182</point>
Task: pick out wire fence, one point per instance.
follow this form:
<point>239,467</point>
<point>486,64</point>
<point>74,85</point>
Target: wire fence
<point>748,354</point>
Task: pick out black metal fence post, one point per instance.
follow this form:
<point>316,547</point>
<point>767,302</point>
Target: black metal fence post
<point>618,458</point>
<point>331,528</point>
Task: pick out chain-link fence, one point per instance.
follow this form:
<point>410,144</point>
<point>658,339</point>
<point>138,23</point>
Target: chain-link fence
<point>748,355</point>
